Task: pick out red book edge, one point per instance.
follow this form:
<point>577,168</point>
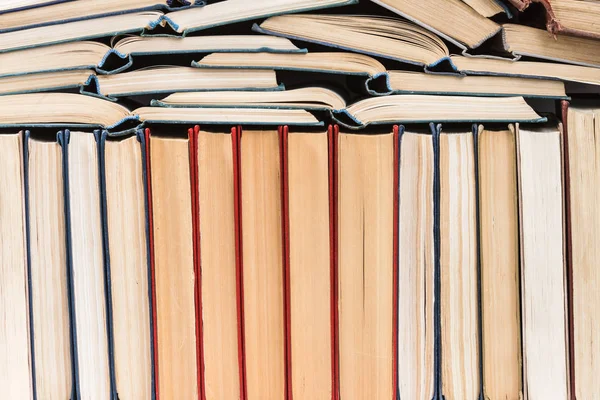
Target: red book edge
<point>285,223</point>
<point>568,255</point>
<point>193,154</point>
<point>395,274</point>
<point>236,134</point>
<point>151,240</point>
<point>333,132</point>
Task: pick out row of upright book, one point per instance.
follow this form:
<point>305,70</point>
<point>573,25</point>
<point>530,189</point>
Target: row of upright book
<point>301,263</point>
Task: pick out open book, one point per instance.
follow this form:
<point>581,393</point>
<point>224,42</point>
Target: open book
<point>106,59</point>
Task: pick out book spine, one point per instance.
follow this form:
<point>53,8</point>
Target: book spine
<point>151,259</point>
<point>475,130</point>
<point>100,144</point>
<point>333,133</point>
<point>193,152</point>
<point>564,110</point>
<point>236,133</point>
<point>149,256</point>
<point>285,223</point>
<point>396,132</point>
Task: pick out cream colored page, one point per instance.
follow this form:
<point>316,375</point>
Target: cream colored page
<point>218,264</point>
<point>542,265</point>
<point>309,264</point>
<point>126,220</point>
<point>584,181</point>
<point>501,317</point>
<point>263,266</point>
<point>365,265</point>
<point>416,268</point>
<point>49,271</point>
<point>15,355</point>
<point>458,263</point>
<point>88,267</point>
<point>174,268</point>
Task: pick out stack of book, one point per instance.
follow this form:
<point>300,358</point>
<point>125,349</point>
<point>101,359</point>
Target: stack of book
<point>299,200</point>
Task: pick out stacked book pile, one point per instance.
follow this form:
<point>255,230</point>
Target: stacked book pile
<point>300,200</point>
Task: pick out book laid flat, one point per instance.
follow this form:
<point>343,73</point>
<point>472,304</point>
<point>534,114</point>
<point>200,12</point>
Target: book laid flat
<point>571,17</point>
<point>176,342</point>
<point>62,109</point>
<point>527,41</point>
<point>453,20</point>
<point>326,62</point>
<point>15,357</point>
<point>582,150</point>
<point>415,268</point>
<point>366,175</point>
<point>459,298</point>
<point>85,258</point>
<point>106,59</point>
<point>379,36</point>
<point>216,14</point>
<point>422,83</point>
<point>310,267</point>
<point>63,12</point>
<point>51,326</point>
<point>499,260</point>
<point>172,78</point>
<point>78,30</point>
<point>527,69</point>
<point>262,250</point>
<point>307,98</point>
<point>407,108</point>
<point>543,285</point>
<point>128,265</point>
<point>17,5</point>
<point>217,240</point>
<point>487,8</point>
<point>45,81</point>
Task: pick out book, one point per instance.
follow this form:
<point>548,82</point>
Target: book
<point>523,40</point>
<point>62,109</point>
<point>104,59</point>
<point>393,38</point>
<point>92,352</point>
<point>416,344</point>
<point>124,191</point>
<point>50,279</point>
<point>310,267</point>
<point>487,8</point>
<point>15,357</point>
<point>62,12</point>
<point>543,285</point>
<point>222,13</point>
<point>78,30</point>
<point>459,292</point>
<point>423,108</point>
<point>453,20</point>
<point>16,5</point>
<point>165,79</point>
<point>499,263</point>
<point>176,329</point>
<point>345,63</point>
<point>571,17</point>
<point>581,176</point>
<point>366,179</point>
<point>409,82</point>
<point>307,98</point>
<point>262,250</point>
<point>527,69</point>
<point>217,239</point>
<point>69,80</point>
